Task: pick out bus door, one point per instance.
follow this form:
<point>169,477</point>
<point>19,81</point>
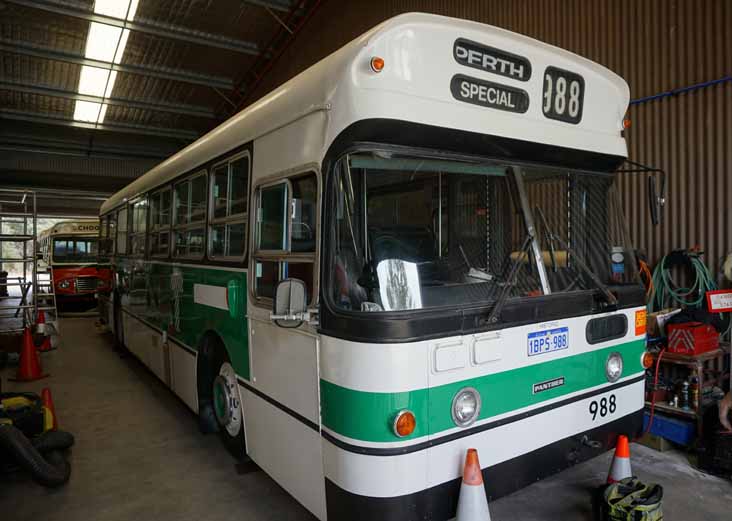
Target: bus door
<point>283,407</point>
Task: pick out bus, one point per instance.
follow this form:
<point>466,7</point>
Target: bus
<point>69,248</point>
<point>413,247</point>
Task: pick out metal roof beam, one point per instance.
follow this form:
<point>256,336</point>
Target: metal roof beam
<point>47,53</point>
<point>35,117</point>
<point>277,5</point>
<point>13,143</point>
<point>159,106</point>
<point>142,25</point>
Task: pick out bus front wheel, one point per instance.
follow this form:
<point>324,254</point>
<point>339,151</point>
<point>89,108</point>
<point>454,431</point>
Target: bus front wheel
<point>227,409</point>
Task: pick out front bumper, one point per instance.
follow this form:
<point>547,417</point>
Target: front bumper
<point>440,502</point>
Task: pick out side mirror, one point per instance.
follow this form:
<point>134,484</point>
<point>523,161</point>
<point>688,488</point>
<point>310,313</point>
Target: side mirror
<point>290,303</point>
<point>656,197</point>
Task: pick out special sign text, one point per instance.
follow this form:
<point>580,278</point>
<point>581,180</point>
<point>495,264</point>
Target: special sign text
<point>489,94</point>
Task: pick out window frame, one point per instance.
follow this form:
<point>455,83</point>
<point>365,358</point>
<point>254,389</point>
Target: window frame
<point>185,228</point>
<point>130,225</point>
<point>286,255</point>
<point>157,193</point>
<point>238,218</point>
<point>258,202</point>
<point>124,208</point>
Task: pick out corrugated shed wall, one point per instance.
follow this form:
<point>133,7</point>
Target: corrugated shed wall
<point>656,45</point>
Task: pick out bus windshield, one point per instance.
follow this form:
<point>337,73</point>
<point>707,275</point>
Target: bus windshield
<point>421,232</point>
<point>75,249</point>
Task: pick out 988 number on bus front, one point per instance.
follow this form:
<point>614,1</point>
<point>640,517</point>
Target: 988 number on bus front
<point>564,94</point>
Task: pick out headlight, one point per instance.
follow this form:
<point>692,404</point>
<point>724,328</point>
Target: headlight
<point>64,284</point>
<point>614,367</point>
<point>465,407</point>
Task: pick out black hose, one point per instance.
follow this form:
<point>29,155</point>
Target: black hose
<point>53,440</point>
<point>52,473</point>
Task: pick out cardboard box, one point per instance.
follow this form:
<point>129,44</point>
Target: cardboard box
<point>658,319</point>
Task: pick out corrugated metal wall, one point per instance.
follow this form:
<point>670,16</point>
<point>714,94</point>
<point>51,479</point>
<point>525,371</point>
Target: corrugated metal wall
<point>656,45</point>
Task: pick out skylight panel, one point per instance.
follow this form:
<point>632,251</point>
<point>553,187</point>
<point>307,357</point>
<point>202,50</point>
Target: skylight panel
<point>104,43</point>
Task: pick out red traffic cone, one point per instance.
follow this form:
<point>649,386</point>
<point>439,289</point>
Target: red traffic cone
<point>472,503</point>
<point>620,467</point>
<point>29,367</point>
<point>46,343</point>
<point>48,404</point>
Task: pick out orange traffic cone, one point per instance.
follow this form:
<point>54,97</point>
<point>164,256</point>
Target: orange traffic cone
<point>29,367</point>
<point>472,503</point>
<point>46,343</point>
<point>48,405</point>
<point>620,467</point>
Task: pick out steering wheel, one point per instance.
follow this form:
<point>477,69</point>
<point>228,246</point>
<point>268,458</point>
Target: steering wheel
<point>308,229</point>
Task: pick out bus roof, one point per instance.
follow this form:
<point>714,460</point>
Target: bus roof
<point>82,227</point>
<point>437,71</point>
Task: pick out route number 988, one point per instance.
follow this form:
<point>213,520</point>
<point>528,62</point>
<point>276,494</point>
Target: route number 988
<point>603,407</point>
<point>564,93</point>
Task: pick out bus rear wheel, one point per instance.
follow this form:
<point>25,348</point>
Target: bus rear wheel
<point>227,410</point>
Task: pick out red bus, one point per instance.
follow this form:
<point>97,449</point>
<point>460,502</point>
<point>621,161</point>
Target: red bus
<point>70,249</point>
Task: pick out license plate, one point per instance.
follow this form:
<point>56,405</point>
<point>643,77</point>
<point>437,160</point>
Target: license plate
<point>548,341</point>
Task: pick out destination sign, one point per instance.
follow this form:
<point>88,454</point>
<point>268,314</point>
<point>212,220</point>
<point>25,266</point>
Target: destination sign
<point>490,59</point>
<point>489,94</point>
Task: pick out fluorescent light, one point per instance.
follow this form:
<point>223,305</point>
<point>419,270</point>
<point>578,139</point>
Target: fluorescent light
<point>116,8</point>
<point>93,80</point>
<point>101,43</point>
<point>87,111</point>
<point>105,43</point>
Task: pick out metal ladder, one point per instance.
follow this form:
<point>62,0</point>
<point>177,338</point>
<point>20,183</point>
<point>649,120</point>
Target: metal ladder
<point>45,302</point>
<point>18,221</point>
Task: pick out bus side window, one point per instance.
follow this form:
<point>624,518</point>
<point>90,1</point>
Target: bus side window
<point>286,234</point>
<point>160,223</point>
<point>138,225</point>
<point>190,216</point>
<point>229,209</point>
<point>122,232</point>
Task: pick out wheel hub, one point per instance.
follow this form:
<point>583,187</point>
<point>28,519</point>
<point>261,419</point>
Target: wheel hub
<point>226,402</point>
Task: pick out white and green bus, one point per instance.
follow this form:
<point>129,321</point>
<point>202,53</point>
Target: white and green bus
<point>413,247</point>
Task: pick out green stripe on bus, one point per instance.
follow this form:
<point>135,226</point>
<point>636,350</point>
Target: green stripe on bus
<point>157,298</point>
<point>368,416</point>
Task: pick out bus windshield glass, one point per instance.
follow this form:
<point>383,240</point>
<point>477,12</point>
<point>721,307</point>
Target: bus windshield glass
<point>75,249</point>
<point>420,232</point>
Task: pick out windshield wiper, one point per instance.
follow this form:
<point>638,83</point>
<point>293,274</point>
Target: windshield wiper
<point>551,236</point>
<point>510,282</point>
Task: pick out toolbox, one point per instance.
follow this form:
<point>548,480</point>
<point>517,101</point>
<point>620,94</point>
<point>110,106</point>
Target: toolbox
<point>692,338</point>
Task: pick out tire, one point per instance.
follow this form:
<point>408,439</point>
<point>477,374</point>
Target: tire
<point>226,406</point>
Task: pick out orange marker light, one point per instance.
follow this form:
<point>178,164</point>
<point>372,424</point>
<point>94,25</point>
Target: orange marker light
<point>647,360</point>
<point>404,423</point>
<point>626,123</point>
<point>377,64</point>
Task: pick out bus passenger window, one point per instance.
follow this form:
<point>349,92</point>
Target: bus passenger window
<point>239,186</point>
<point>138,227</point>
<point>122,232</point>
<point>272,221</point>
<point>198,199</point>
<point>304,211</point>
<point>190,216</point>
<point>229,217</point>
<point>181,203</point>
<point>160,223</point>
<point>267,275</point>
<point>286,235</point>
<point>220,189</point>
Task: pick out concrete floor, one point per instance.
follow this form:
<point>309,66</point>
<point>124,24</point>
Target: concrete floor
<point>139,456</point>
